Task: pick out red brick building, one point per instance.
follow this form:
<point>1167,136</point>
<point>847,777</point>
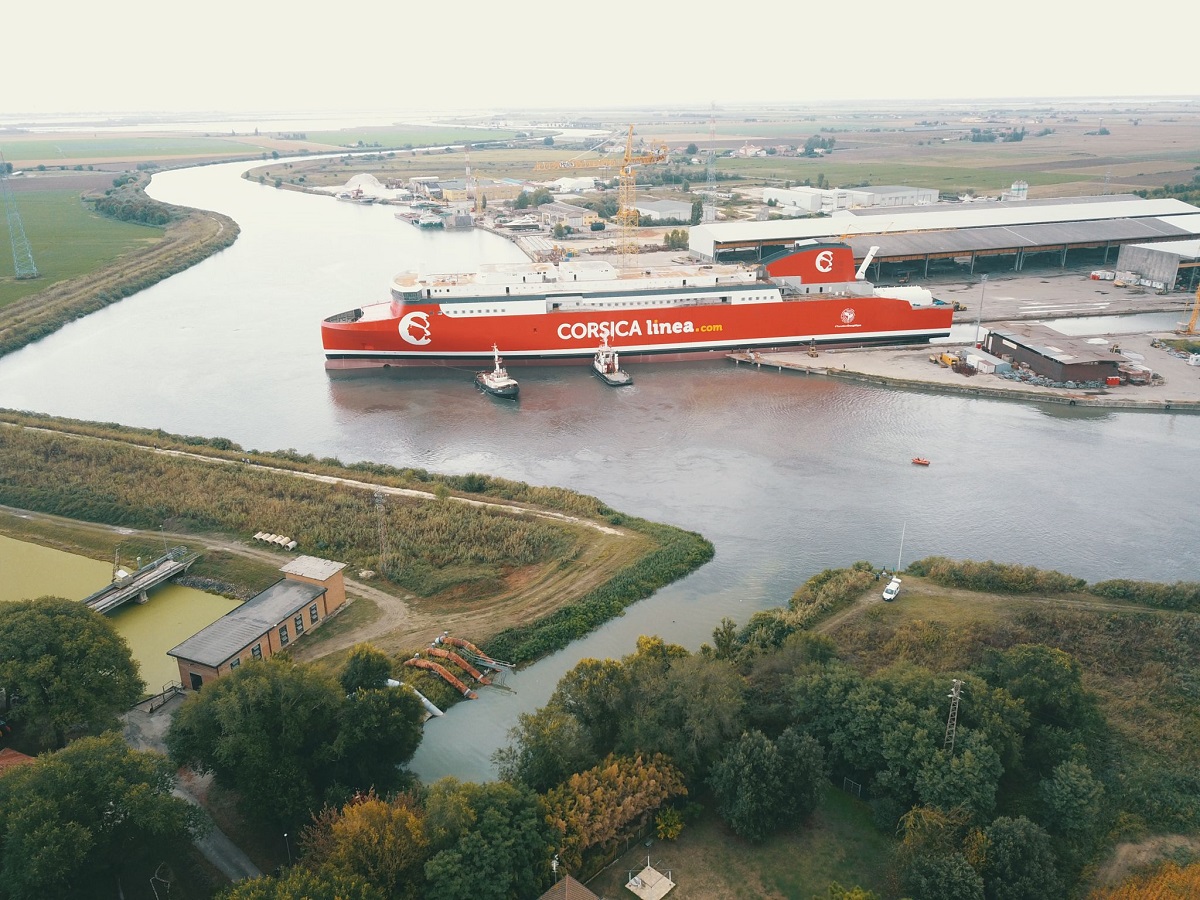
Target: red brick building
<point>311,590</point>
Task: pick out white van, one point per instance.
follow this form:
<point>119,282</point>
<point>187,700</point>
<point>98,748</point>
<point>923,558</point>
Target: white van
<point>893,588</point>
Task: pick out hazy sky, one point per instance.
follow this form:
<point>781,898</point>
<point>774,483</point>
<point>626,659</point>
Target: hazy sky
<point>222,55</point>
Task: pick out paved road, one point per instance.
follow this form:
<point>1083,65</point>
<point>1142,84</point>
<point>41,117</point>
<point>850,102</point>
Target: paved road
<point>146,730</point>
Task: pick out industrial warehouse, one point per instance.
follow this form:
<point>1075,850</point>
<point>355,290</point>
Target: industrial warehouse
<point>965,238</point>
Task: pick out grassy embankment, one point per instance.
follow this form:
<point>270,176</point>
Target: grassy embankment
<point>87,262</point>
<point>532,570</point>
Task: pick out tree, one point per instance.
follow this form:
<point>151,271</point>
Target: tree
<point>676,239</point>
<point>377,731</point>
<point>298,882</point>
<point>548,140</point>
<point>594,808</point>
<point>691,150</point>
<point>379,841</point>
<point>941,876</point>
<point>282,735</point>
<point>65,669</point>
<point>521,201</point>
<point>545,748</point>
<point>366,668</point>
<point>491,842</point>
<point>1071,799</point>
<point>594,692</point>
<point>1167,882</point>
<point>74,818</point>
<point>762,786</point>
<point>697,212</point>
<point>1019,862</point>
<point>689,710</point>
<point>1049,682</point>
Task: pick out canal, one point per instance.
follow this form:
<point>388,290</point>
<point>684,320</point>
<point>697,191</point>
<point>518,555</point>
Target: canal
<point>786,474</point>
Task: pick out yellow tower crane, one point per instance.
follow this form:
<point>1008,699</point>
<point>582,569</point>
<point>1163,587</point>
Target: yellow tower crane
<point>1191,325</point>
<point>627,217</point>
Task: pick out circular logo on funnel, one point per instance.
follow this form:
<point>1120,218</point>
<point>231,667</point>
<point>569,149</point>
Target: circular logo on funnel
<point>414,328</point>
<point>824,261</point>
<point>847,316</point>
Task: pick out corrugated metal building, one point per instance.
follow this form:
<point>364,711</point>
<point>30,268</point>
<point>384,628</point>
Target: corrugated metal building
<point>919,235</point>
<point>1163,263</point>
<point>1051,354</point>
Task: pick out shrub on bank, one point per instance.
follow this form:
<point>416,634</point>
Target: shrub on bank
<point>678,553</point>
<point>1180,595</point>
<point>998,578</point>
<point>829,591</point>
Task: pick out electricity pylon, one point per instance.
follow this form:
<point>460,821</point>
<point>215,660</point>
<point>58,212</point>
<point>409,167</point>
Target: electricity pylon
<point>22,255</point>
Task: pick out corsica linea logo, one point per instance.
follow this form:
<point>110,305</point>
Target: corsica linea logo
<point>414,328</point>
<point>824,261</point>
<point>847,315</point>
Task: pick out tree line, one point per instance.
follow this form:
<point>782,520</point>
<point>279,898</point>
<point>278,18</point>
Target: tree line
<point>1013,802</point>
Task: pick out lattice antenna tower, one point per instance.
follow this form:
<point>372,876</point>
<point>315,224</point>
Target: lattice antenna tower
<point>710,199</point>
<point>952,722</point>
<point>22,256</point>
<point>381,516</point>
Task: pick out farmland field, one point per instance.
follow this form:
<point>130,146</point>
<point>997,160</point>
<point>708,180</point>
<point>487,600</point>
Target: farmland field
<point>67,239</point>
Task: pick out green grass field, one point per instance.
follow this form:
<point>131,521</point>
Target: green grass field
<point>67,239</point>
<point>121,148</point>
<point>407,135</point>
<point>845,169</point>
<point>838,843</point>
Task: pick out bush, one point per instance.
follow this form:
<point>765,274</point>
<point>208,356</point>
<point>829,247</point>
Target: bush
<point>1180,595</point>
<point>1001,578</point>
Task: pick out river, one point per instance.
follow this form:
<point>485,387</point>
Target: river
<point>786,474</point>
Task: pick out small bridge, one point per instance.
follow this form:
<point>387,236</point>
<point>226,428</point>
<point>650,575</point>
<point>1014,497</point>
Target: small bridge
<point>137,585</point>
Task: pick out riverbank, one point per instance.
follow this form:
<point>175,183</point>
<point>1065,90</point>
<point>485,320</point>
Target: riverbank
<point>190,237</point>
<point>909,368</point>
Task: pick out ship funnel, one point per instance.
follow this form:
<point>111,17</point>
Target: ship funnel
<point>862,270</point>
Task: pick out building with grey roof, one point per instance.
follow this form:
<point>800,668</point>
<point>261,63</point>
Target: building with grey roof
<point>311,590</point>
<point>1057,231</point>
<point>1052,354</point>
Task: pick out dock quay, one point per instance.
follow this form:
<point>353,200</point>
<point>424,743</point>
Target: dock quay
<point>908,368</point>
<point>137,585</point>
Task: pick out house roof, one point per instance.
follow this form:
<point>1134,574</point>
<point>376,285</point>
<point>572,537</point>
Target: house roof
<point>237,629</point>
<point>312,567</point>
<point>568,889</point>
<point>10,759</point>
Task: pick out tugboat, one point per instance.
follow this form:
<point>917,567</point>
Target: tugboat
<point>497,382</point>
<point>608,367</point>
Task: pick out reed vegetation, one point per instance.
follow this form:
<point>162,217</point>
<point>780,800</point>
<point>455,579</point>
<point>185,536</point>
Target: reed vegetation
<point>103,472</point>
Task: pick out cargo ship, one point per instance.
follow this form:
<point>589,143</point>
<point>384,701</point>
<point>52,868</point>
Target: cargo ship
<point>558,312</point>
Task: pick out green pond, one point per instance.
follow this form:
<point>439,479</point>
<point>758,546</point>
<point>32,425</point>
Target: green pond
<point>171,615</point>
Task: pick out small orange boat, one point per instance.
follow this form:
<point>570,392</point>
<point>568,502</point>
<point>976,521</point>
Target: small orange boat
<point>920,461</point>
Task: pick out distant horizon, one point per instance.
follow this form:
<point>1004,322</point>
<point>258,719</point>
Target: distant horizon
<point>384,116</point>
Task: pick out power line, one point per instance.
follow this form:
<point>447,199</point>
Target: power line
<point>22,255</point>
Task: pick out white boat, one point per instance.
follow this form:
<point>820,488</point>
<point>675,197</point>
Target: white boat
<point>608,366</point>
<point>497,381</point>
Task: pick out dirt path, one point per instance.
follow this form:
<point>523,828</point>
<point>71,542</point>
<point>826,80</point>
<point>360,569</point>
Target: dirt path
<point>404,620</point>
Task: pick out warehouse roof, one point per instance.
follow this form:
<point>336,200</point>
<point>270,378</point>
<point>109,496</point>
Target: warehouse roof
<point>944,217</point>
<point>1053,344</point>
<point>1053,235</point>
<point>1182,249</point>
<point>239,628</point>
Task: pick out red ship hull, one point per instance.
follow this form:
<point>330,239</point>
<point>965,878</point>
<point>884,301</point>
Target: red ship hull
<point>674,322</point>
